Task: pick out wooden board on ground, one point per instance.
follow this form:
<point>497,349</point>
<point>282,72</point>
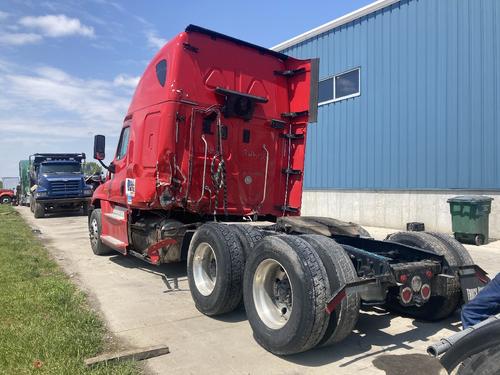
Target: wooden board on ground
<point>132,354</point>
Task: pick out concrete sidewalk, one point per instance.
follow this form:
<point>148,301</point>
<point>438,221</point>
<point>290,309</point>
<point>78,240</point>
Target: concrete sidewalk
<point>145,305</point>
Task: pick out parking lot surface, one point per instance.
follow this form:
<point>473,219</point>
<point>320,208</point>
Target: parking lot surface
<point>145,305</point>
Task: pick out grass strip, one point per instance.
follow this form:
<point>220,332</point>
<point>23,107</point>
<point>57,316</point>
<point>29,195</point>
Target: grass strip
<point>46,325</point>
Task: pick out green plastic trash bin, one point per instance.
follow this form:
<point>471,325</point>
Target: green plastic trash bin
<point>470,218</point>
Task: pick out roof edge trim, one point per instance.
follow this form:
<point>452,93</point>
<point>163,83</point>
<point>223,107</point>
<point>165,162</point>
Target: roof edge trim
<point>368,9</point>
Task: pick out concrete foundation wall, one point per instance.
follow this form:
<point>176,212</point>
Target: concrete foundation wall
<point>393,209</point>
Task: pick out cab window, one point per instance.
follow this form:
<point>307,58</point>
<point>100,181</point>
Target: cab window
<point>123,143</point>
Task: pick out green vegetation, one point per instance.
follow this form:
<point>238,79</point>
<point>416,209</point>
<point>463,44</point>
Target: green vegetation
<point>90,168</point>
<point>46,325</point>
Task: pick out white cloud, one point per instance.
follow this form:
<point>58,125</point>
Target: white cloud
<point>3,15</point>
<point>126,81</point>
<point>81,106</point>
<point>57,25</point>
<point>155,41</point>
<point>18,39</point>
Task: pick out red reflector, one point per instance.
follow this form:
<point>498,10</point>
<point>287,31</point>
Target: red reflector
<point>428,274</point>
<point>335,301</point>
<point>403,278</point>
<point>406,295</point>
<point>425,292</point>
<point>154,257</point>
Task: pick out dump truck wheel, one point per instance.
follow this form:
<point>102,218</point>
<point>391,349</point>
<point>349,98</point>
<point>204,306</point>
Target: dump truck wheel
<point>462,256</point>
<point>6,199</point>
<point>437,307</point>
<point>95,227</point>
<point>340,271</point>
<point>38,210</point>
<point>248,235</point>
<point>215,269</point>
<point>285,289</point>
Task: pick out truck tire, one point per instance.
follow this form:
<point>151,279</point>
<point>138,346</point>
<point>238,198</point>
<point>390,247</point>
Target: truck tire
<point>215,269</point>
<point>5,199</point>
<point>462,256</point>
<point>486,362</point>
<point>38,210</point>
<point>285,289</point>
<point>340,271</point>
<point>95,227</point>
<point>248,235</point>
<point>437,308</point>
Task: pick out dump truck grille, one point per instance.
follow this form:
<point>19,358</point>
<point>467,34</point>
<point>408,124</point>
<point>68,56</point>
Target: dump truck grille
<point>64,186</point>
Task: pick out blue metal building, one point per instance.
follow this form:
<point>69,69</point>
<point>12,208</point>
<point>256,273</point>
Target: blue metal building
<point>426,113</point>
<point>409,111</point>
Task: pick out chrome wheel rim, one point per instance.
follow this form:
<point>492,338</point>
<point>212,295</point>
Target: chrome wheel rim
<point>272,294</point>
<point>205,268</point>
<point>94,232</point>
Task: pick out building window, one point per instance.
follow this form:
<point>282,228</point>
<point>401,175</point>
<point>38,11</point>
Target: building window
<point>325,90</point>
<point>341,86</point>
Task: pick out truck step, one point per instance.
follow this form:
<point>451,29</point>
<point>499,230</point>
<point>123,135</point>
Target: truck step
<point>296,172</point>
<point>278,124</point>
<point>289,73</point>
<point>288,209</point>
<point>117,217</point>
<point>294,114</point>
<point>292,136</point>
<point>114,243</point>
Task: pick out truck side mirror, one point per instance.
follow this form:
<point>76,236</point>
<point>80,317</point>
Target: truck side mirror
<point>99,147</point>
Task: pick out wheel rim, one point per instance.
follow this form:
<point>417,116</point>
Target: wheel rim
<point>272,293</point>
<point>205,268</point>
<point>94,232</point>
<point>5,200</point>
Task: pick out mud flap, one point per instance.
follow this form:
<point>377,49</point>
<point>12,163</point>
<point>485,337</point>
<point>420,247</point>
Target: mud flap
<point>472,279</point>
<point>359,286</point>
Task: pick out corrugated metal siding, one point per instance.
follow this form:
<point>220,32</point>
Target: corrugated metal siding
<point>428,113</point>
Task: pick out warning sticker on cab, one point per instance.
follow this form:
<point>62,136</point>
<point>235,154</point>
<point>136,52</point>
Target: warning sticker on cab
<point>130,189</point>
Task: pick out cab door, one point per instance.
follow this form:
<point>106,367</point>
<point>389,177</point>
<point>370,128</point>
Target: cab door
<point>115,211</point>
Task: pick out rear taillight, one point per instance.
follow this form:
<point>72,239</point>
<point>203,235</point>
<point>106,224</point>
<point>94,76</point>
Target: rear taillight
<point>425,292</point>
<point>406,295</point>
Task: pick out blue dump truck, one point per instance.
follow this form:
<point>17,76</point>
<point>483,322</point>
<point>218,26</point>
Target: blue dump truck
<point>57,184</point>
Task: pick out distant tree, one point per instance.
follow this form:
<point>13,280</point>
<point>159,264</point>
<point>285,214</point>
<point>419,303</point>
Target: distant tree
<point>1,184</point>
<point>91,168</point>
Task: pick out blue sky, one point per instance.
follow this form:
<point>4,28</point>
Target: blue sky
<point>68,68</point>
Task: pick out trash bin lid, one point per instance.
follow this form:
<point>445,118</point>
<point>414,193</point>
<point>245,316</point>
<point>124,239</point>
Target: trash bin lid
<point>470,199</point>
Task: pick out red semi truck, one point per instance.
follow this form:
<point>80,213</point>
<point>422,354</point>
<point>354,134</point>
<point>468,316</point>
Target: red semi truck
<point>7,196</point>
<point>209,169</point>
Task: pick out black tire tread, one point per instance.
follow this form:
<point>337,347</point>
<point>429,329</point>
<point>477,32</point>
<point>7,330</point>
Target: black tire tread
<point>437,308</point>
<point>461,254</point>
<point>344,319</point>
<point>8,200</point>
<point>248,235</point>
<point>234,277</point>
<point>486,362</point>
<point>101,248</point>
<point>38,210</point>
<point>321,289</point>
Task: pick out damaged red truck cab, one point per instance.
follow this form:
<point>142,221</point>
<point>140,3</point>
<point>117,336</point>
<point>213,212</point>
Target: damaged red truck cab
<point>216,127</point>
